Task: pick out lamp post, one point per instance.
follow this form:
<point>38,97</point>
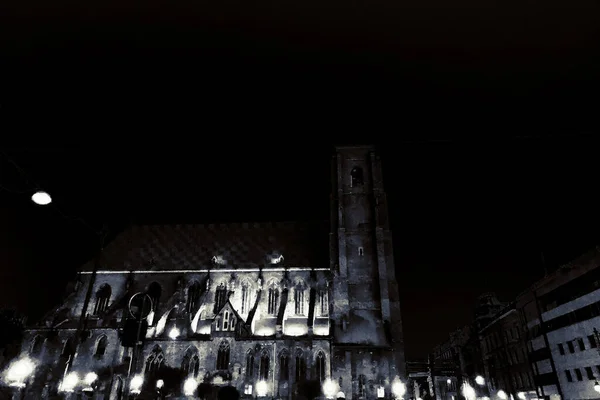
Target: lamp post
<point>330,388</point>
<point>398,388</point>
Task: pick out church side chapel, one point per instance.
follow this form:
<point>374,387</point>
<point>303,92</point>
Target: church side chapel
<point>281,310</point>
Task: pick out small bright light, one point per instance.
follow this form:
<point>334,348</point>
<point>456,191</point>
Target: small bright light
<point>19,371</point>
<point>160,383</point>
<point>261,388</point>
<point>276,260</point>
<point>502,394</point>
<point>330,388</point>
<point>189,386</point>
<point>449,381</point>
<point>468,392</point>
<point>479,380</point>
<point>136,384</point>
<point>41,198</point>
<point>418,398</point>
<point>69,382</point>
<point>174,333</point>
<point>91,378</point>
<point>485,398</point>
<point>521,395</point>
<point>597,387</point>
<point>380,392</point>
<point>398,387</point>
<point>248,389</point>
<point>340,395</point>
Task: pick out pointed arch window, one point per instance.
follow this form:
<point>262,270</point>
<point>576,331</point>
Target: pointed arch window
<point>154,291</point>
<point>265,362</point>
<point>155,360</point>
<point>323,303</point>
<point>101,346</point>
<point>356,176</point>
<point>284,366</point>
<point>223,356</point>
<point>320,366</point>
<point>193,297</point>
<point>245,298</point>
<point>220,297</point>
<point>299,291</point>
<point>273,299</point>
<point>300,366</point>
<point>102,299</point>
<point>250,364</point>
<point>36,345</point>
<point>226,321</point>
<point>191,363</point>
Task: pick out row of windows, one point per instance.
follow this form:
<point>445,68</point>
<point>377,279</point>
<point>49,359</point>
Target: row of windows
<point>493,340</point>
<point>589,372</point>
<point>572,290</point>
<point>37,345</point>
<point>579,315</point>
<point>580,344</point>
<point>191,363</point>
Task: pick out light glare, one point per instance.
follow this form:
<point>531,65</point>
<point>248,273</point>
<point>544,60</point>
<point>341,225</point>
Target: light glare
<point>502,394</point>
<point>41,198</point>
<point>398,387</point>
<point>261,388</point>
<point>189,387</point>
<point>479,380</point>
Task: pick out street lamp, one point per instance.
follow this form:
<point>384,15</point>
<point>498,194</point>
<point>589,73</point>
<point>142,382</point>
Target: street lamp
<point>189,386</point>
<point>330,388</point>
<point>261,388</point>
<point>174,333</point>
<point>69,382</point>
<point>136,384</point>
<point>398,388</point>
<point>502,394</point>
<point>41,198</point>
<point>468,392</point>
<point>521,395</point>
<point>479,380</point>
<point>597,386</point>
<point>19,371</point>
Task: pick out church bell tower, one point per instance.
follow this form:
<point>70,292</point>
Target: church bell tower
<point>368,343</point>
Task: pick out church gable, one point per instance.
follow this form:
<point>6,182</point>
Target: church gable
<point>226,320</point>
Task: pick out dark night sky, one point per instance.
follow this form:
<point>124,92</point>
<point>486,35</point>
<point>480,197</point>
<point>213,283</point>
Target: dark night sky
<point>468,216</point>
<point>211,104</point>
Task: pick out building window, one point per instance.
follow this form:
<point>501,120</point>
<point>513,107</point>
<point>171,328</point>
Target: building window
<point>323,303</point>
<point>232,324</point>
<point>592,340</point>
<point>299,300</point>
<point>155,361</point>
<point>581,344</point>
<point>245,298</point>
<point>589,373</point>
<point>101,346</point>
<point>193,297</point>
<point>300,366</point>
<point>273,299</point>
<point>250,364</point>
<point>226,321</point>
<point>223,356</point>
<point>356,177</point>
<point>264,366</point>
<point>320,366</point>
<point>284,366</point>
<point>362,380</point>
<point>220,297</point>
<point>571,348</point>
<point>578,374</point>
<point>154,291</point>
<point>102,299</point>
<point>218,323</point>
<point>36,345</point>
<point>361,251</point>
<point>191,362</point>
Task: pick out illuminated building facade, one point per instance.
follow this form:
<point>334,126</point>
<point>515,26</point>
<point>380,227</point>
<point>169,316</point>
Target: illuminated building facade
<point>283,303</point>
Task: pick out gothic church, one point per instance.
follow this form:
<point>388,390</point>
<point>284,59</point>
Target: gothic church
<point>236,304</point>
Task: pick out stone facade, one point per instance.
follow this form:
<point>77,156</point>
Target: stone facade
<point>235,304</point>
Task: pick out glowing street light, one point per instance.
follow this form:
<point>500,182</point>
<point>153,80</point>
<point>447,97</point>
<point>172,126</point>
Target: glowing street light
<point>468,392</point>
<point>69,382</point>
<point>597,386</point>
<point>479,380</point>
<point>261,388</point>
<point>521,395</point>
<point>398,388</point>
<point>189,386</point>
<point>91,378</point>
<point>160,383</point>
<point>448,381</point>
<point>41,198</point>
<point>330,388</point>
<point>19,371</point>
<point>136,384</point>
<point>502,394</point>
<point>174,333</point>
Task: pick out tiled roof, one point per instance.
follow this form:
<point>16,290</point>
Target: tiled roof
<point>176,247</point>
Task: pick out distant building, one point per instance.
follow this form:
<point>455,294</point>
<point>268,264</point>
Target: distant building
<point>278,303</point>
<point>561,312</point>
<point>504,355</point>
